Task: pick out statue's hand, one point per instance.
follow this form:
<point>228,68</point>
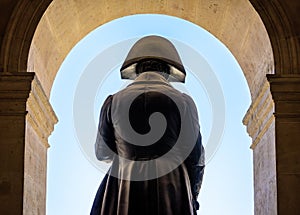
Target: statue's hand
<point>196,206</point>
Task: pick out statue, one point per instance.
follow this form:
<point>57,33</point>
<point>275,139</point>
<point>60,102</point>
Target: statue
<point>150,133</point>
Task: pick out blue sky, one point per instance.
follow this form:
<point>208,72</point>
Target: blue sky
<point>90,73</point>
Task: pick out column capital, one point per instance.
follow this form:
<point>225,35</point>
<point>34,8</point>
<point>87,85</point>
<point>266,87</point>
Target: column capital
<point>22,94</point>
<point>285,89</point>
<point>14,92</point>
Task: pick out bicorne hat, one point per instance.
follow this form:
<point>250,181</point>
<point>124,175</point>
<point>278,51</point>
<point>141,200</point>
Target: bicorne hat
<point>153,47</point>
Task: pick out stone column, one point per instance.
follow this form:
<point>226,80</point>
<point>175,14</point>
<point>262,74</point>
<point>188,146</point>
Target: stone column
<point>286,95</point>
<point>26,121</point>
<point>260,123</point>
<point>14,91</point>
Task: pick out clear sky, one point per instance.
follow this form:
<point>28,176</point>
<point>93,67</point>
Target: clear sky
<point>90,73</point>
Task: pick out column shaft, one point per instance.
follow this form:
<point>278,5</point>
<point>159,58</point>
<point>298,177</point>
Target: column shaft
<point>285,91</point>
<point>14,91</point>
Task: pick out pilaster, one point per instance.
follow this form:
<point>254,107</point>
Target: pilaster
<point>40,122</point>
<point>260,123</point>
<point>286,95</point>
<point>14,91</point>
<point>26,121</point>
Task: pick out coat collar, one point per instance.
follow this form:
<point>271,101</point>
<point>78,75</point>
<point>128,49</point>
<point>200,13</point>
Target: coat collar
<point>150,78</point>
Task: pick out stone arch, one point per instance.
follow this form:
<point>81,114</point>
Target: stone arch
<point>20,29</point>
<point>236,23</point>
<point>221,19</point>
<point>280,23</point>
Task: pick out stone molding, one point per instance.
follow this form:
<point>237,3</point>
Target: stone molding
<point>286,94</point>
<point>281,30</point>
<point>40,113</point>
<point>19,33</point>
<point>259,116</point>
<point>21,94</point>
<point>14,91</point>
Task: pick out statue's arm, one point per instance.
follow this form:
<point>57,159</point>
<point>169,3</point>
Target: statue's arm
<point>195,162</point>
<point>105,141</point>
<point>195,167</point>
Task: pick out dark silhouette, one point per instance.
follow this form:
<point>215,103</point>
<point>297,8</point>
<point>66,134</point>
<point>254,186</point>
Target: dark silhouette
<point>150,132</point>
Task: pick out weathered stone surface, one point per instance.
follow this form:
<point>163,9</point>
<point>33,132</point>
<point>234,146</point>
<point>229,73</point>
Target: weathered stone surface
<point>235,23</point>
<point>286,94</point>
<point>264,164</point>
<point>14,91</point>
<point>260,124</point>
<point>40,122</point>
<point>26,121</point>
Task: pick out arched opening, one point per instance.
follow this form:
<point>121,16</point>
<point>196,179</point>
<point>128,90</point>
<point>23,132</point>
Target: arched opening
<point>74,173</point>
<point>247,40</point>
<point>235,23</point>
<point>65,23</point>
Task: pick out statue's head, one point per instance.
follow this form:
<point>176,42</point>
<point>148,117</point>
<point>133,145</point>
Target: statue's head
<point>153,53</point>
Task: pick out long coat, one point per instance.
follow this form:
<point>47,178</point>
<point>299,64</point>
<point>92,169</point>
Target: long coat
<point>158,173</point>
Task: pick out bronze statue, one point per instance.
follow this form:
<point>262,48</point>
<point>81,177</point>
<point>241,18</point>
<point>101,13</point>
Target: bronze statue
<point>151,134</point>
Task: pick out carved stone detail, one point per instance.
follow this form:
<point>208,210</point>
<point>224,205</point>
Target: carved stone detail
<point>259,116</point>
<point>40,113</point>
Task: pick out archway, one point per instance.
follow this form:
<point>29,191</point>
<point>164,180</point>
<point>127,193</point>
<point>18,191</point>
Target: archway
<point>236,24</point>
<point>222,20</point>
<point>90,73</point>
